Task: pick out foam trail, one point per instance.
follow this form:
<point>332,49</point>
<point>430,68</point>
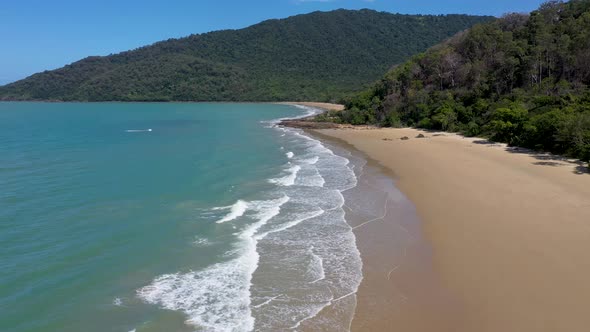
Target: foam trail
<point>138,130</point>
<point>201,242</point>
<point>311,178</point>
<point>265,302</point>
<point>237,210</point>
<point>321,181</point>
<point>311,161</point>
<point>316,267</point>
<point>218,297</point>
<point>287,180</point>
<point>290,224</point>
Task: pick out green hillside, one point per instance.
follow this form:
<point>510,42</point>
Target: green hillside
<point>522,79</point>
<point>319,56</point>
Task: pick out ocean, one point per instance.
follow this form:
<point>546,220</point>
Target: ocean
<point>172,217</point>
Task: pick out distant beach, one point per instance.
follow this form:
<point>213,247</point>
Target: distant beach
<point>505,243</point>
<point>323,106</point>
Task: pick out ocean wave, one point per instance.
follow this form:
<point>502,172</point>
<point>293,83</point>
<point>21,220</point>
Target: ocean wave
<point>287,180</point>
<point>308,111</point>
<point>310,177</point>
<point>311,161</point>
<point>218,297</point>
<point>290,224</point>
<point>237,210</point>
<point>294,255</point>
<point>319,262</point>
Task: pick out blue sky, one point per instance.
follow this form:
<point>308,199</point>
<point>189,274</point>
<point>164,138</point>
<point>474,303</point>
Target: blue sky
<point>39,35</point>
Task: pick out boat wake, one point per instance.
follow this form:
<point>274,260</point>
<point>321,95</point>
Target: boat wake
<point>138,130</point>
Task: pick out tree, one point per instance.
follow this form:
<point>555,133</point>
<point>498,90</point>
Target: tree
<point>521,79</point>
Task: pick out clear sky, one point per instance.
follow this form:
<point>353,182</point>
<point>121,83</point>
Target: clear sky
<point>37,35</point>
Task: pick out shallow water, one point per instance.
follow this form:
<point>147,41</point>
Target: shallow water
<point>179,217</point>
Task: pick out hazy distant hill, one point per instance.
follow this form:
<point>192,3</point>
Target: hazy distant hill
<point>317,56</point>
<point>522,79</point>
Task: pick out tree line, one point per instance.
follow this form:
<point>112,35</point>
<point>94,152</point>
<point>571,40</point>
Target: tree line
<point>321,56</point>
<point>521,79</point>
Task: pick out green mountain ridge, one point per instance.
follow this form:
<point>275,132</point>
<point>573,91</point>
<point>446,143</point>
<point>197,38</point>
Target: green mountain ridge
<point>318,56</point>
<point>522,79</point>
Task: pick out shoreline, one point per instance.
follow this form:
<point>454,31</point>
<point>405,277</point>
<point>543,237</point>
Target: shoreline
<point>313,104</point>
<point>508,229</point>
<point>320,105</point>
<point>399,285</point>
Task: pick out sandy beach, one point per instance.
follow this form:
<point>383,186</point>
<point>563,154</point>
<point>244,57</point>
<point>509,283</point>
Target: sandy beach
<point>505,237</point>
<point>323,106</point>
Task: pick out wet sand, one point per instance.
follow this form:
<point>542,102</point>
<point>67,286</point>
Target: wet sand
<point>501,244</point>
<point>399,286</point>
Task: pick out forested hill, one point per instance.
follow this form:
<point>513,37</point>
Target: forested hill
<point>522,79</point>
<point>319,56</point>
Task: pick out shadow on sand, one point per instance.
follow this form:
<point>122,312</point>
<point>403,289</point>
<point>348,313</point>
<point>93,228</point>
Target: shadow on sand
<point>544,158</point>
<point>486,142</point>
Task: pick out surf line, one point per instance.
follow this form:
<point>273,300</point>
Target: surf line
<point>266,302</point>
<point>329,303</point>
<point>375,219</point>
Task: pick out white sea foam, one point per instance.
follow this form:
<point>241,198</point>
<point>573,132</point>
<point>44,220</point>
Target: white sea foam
<point>287,180</point>
<point>290,224</point>
<point>290,154</point>
<point>237,210</point>
<point>218,297</point>
<point>118,302</point>
<point>311,161</point>
<point>316,267</point>
<point>201,242</point>
<point>309,111</point>
<point>330,270</point>
<point>310,176</point>
<point>305,249</point>
<point>267,301</point>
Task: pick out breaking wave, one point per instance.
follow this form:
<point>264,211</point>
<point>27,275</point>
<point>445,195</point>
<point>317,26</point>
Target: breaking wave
<point>293,253</point>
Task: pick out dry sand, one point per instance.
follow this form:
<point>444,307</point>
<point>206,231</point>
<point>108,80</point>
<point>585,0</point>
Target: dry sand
<point>509,231</point>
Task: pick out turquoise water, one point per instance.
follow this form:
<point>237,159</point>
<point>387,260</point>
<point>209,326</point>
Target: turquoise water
<point>169,217</point>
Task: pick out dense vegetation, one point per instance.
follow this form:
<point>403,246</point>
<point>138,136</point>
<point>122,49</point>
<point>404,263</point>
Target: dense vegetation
<point>319,56</point>
<point>522,79</point>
